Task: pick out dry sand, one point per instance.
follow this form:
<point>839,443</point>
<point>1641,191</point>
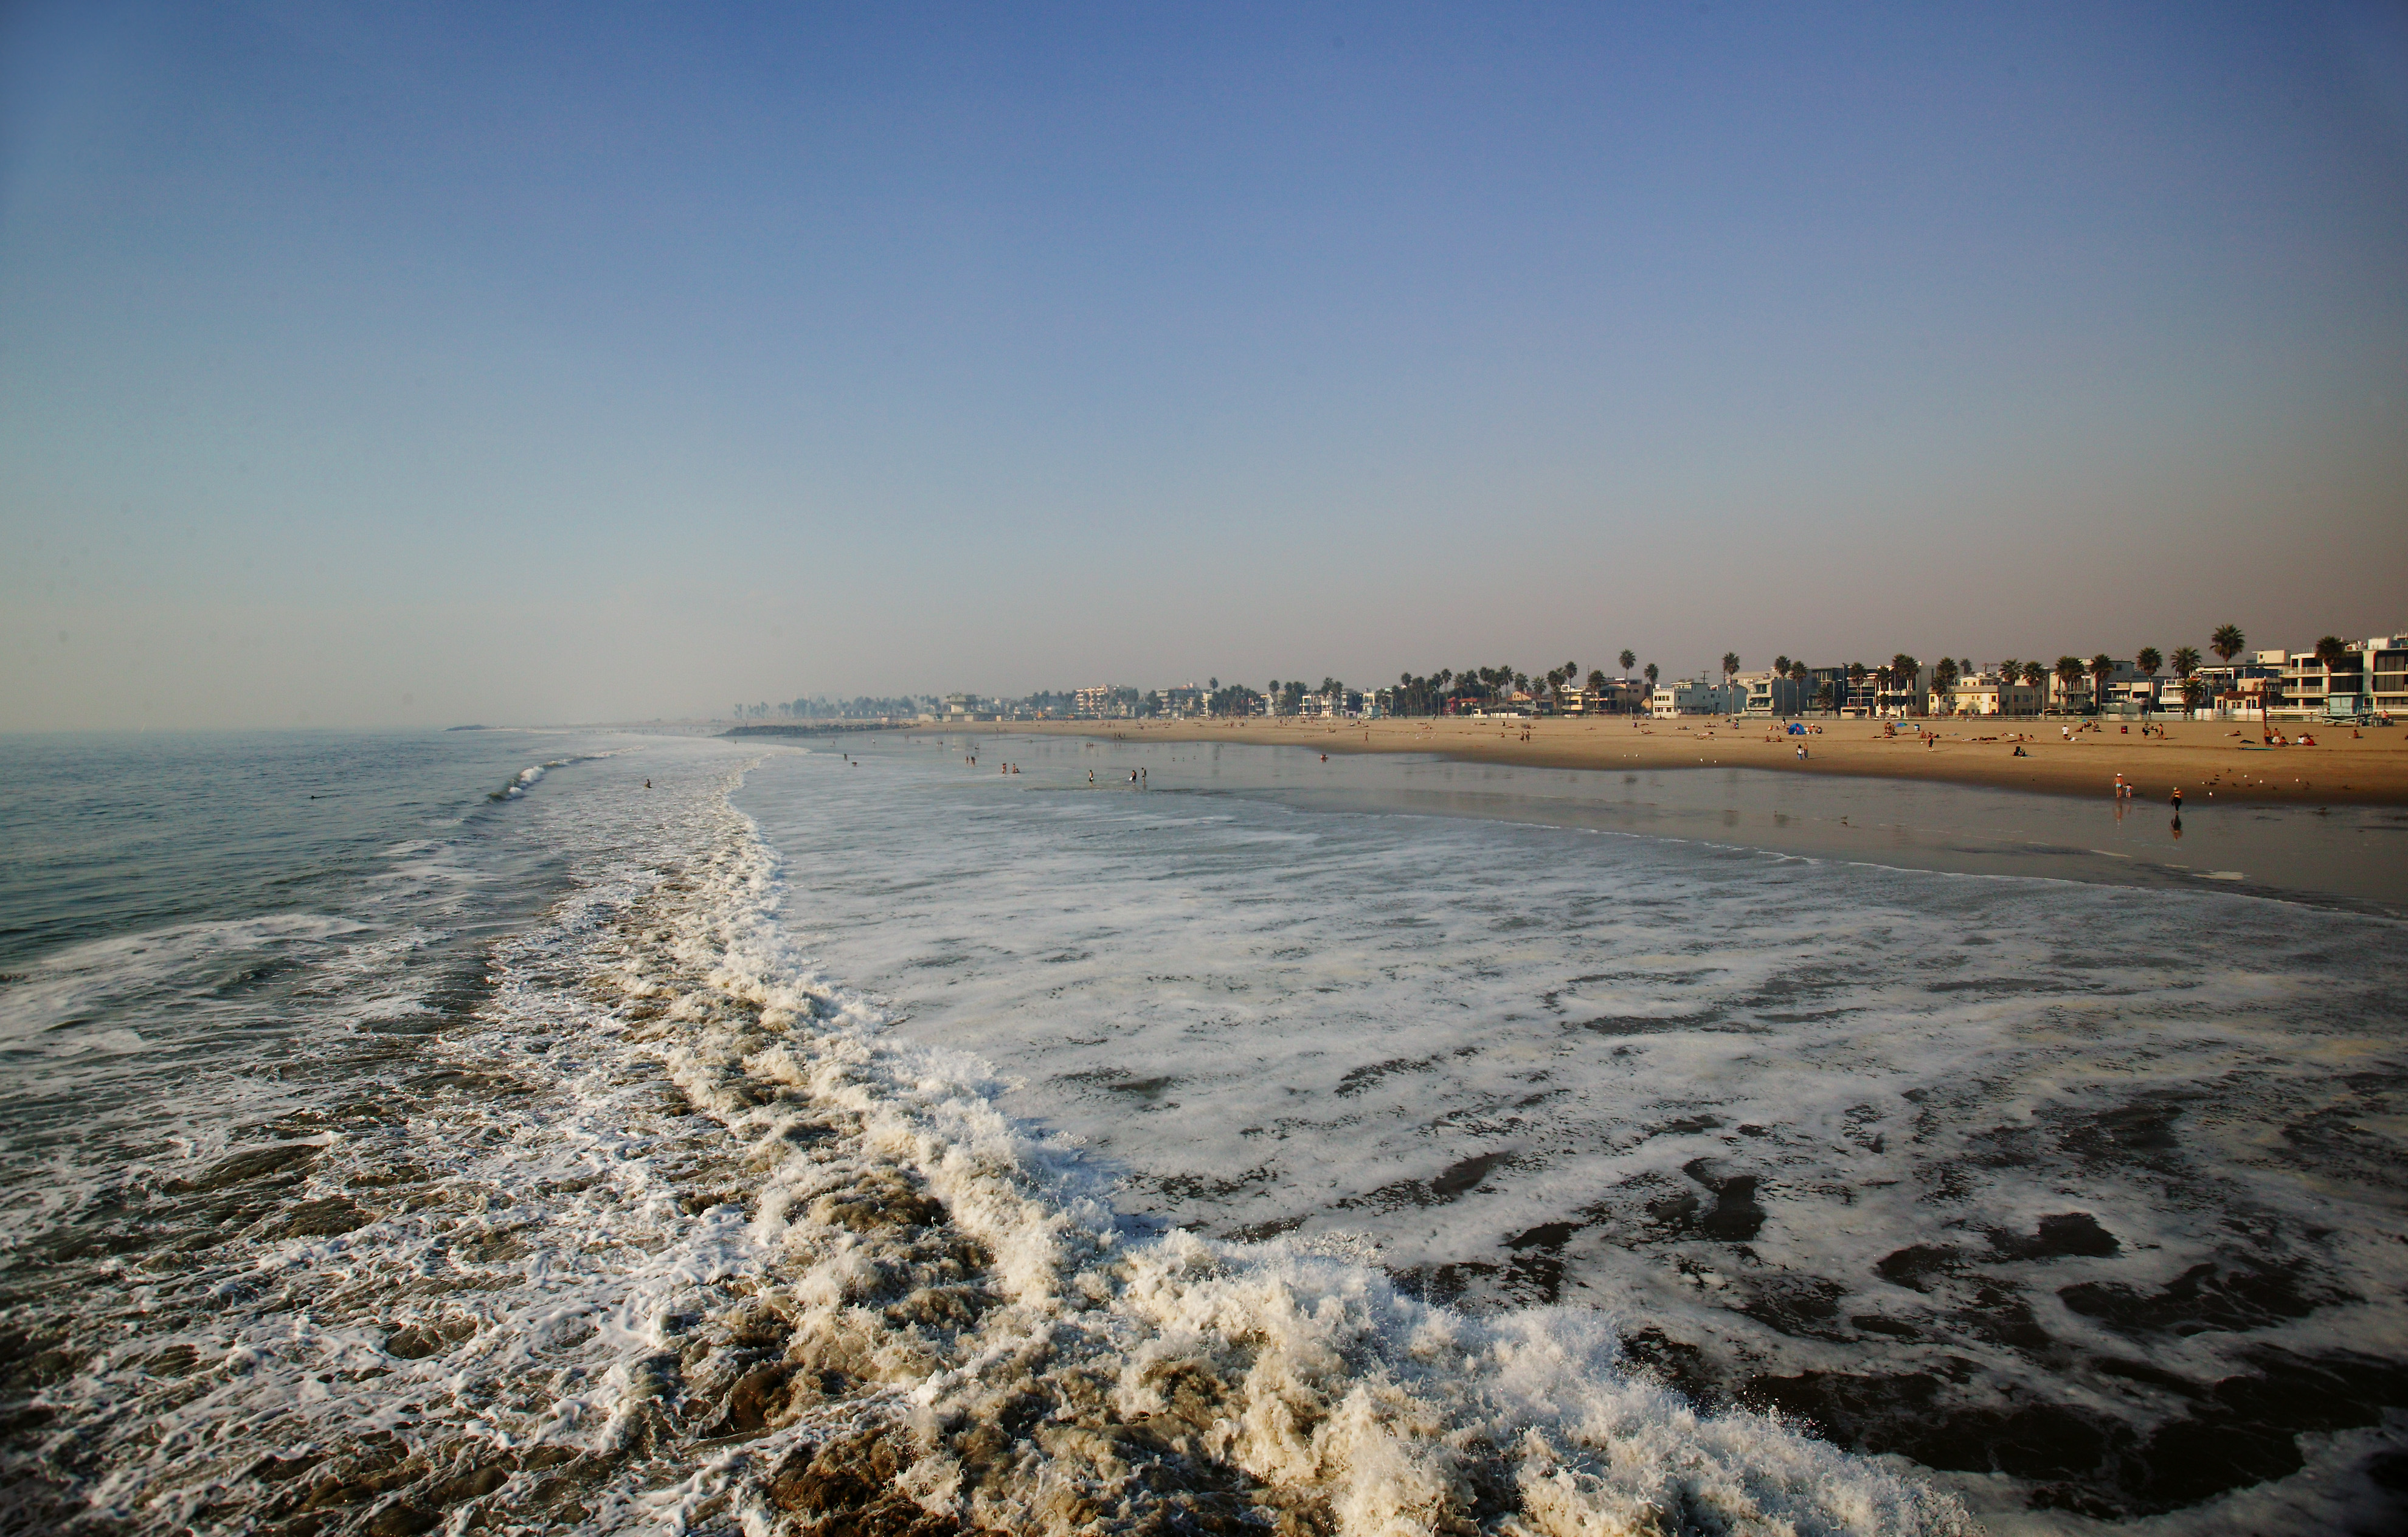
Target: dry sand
<point>2208,761</point>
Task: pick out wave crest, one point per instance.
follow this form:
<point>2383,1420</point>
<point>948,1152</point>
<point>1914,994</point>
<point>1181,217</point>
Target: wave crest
<point>1049,1368</point>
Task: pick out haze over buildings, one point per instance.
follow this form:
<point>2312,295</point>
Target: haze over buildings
<point>363,367</point>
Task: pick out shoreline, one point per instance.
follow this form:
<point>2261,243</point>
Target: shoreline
<point>2207,760</point>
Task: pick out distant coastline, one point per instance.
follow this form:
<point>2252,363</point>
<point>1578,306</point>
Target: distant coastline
<point>813,728</point>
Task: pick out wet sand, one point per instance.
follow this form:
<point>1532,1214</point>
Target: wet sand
<point>2208,761</point>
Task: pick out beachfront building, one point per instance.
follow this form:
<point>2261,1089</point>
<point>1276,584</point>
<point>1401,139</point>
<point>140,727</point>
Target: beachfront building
<point>1872,697</point>
<point>2128,690</point>
<point>2386,671</point>
<point>1989,693</point>
<point>2133,696</point>
<point>2244,697</point>
<point>2238,689</point>
<point>2369,678</point>
<point>1827,688</point>
<point>1903,696</point>
<point>1695,697</point>
<point>1184,699</point>
<point>1773,694</point>
<point>1619,697</point>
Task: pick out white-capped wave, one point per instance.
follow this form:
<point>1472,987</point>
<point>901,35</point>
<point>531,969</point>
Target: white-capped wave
<point>678,1233</point>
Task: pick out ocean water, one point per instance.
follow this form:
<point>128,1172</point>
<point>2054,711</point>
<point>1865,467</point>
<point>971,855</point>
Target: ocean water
<point>500,1141</point>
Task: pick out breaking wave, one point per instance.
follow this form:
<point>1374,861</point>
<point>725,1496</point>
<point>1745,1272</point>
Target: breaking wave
<point>670,1231</point>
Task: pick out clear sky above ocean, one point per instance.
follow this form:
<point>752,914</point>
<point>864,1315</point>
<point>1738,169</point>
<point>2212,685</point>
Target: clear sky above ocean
<point>361,365</point>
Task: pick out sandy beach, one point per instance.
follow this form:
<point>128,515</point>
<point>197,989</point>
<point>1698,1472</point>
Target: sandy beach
<point>2208,761</point>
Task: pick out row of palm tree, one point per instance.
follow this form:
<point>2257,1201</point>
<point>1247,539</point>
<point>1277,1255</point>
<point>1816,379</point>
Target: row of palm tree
<point>1417,695</point>
<point>2227,643</point>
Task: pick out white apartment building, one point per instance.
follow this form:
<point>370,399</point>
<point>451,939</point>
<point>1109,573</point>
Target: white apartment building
<point>1768,693</point>
<point>1988,693</point>
<point>1695,697</point>
<point>2371,678</point>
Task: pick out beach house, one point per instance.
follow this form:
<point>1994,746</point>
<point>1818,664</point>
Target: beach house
<point>1695,697</point>
<point>2371,677</point>
<point>1775,694</point>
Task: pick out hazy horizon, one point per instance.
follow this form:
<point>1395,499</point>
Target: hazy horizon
<point>365,367</point>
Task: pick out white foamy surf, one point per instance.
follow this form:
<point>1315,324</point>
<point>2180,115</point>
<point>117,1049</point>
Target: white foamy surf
<point>672,1232</point>
<point>2077,1195</point>
<point>694,1213</point>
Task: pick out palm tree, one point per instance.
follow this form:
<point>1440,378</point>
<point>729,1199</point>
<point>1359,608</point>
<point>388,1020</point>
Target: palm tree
<point>2069,672</point>
<point>2102,667</point>
<point>1903,670</point>
<point>2035,674</point>
<point>2184,661</point>
<point>1730,665</point>
<point>1781,666</point>
<point>2009,671</point>
<point>2331,652</point>
<point>1944,674</point>
<point>1629,659</point>
<point>1653,672</point>
<point>2149,662</point>
<point>1856,671</point>
<point>2228,642</point>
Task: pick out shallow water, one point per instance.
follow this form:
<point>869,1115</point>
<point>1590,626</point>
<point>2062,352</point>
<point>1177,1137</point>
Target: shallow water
<point>2349,856</point>
<point>2092,1188</point>
<point>542,1151</point>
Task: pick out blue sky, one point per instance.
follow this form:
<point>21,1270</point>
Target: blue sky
<point>364,365</point>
